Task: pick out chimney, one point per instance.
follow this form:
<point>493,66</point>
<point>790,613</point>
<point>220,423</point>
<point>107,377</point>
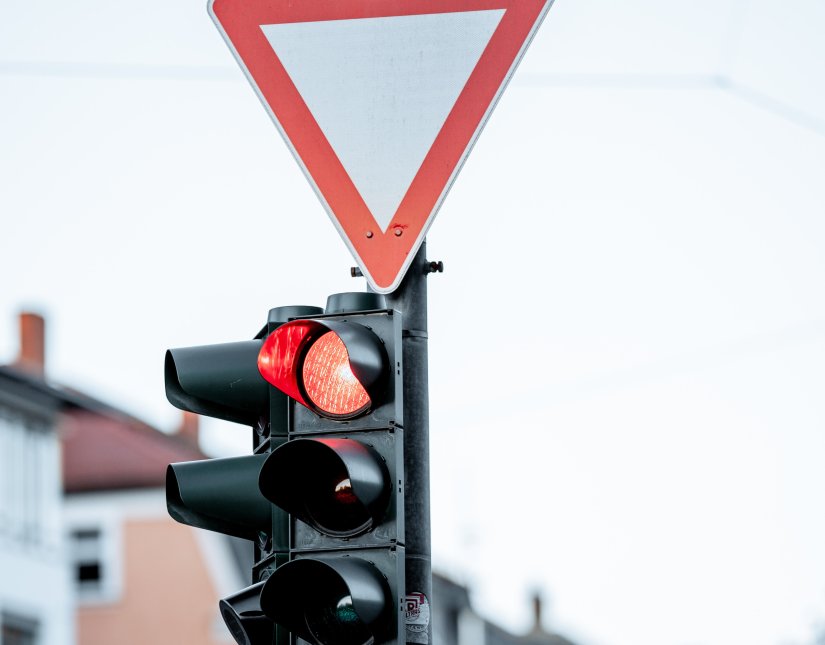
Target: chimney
<point>189,427</point>
<point>32,356</point>
<point>537,626</point>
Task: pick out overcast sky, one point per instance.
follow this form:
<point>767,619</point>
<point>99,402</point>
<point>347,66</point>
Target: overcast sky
<point>627,347</point>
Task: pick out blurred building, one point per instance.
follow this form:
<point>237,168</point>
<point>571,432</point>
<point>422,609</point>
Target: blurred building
<point>140,576</point>
<point>105,563</point>
<point>36,596</point>
<point>455,622</point>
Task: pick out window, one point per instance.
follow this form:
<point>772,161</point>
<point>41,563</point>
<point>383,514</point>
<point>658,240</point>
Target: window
<point>87,560</point>
<point>30,494</point>
<point>18,630</point>
<point>93,539</point>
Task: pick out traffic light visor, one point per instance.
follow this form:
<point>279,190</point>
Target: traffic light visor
<point>334,368</point>
<point>219,381</point>
<point>219,495</point>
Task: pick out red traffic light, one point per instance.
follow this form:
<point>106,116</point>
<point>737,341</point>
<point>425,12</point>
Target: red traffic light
<point>329,381</point>
<point>335,368</point>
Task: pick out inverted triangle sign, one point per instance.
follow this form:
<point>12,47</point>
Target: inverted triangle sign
<point>380,102</point>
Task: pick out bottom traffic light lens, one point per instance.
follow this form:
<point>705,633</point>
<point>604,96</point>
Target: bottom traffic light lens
<point>336,600</point>
<point>335,622</point>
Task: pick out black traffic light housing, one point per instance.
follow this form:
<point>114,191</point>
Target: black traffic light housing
<point>341,479</point>
<point>322,497</point>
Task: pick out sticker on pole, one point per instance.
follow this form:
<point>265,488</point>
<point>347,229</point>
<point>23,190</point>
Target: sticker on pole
<point>417,617</point>
<point>380,102</point>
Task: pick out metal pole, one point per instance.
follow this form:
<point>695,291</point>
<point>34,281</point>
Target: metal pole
<point>411,300</point>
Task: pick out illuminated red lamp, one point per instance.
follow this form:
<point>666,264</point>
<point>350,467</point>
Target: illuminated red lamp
<point>335,368</point>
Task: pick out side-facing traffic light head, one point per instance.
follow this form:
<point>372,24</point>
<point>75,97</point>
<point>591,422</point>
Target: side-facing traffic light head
<point>220,381</point>
<point>337,369</point>
<point>244,617</point>
<point>219,495</point>
<point>340,487</point>
<point>330,601</point>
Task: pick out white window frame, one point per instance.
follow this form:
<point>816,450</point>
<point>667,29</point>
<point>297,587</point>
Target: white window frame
<point>109,589</point>
<point>22,622</point>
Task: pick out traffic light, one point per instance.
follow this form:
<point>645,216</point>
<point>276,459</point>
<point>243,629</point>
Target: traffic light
<point>223,381</point>
<point>339,475</point>
<point>219,494</point>
<point>322,497</point>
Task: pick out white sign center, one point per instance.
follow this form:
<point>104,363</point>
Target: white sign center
<point>380,89</point>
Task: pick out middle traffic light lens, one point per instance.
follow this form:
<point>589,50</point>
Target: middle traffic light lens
<point>335,622</point>
<point>333,506</point>
<point>328,379</point>
<point>339,486</point>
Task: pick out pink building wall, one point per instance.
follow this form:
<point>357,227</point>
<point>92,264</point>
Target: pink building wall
<point>168,595</point>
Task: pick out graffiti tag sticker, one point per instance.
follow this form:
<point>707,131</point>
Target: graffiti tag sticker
<point>417,617</point>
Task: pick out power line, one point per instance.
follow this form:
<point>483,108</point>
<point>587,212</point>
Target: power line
<point>776,107</point>
<point>621,81</point>
<point>118,71</point>
<point>617,81</point>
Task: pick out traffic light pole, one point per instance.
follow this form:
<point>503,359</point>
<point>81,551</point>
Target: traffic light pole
<point>411,300</point>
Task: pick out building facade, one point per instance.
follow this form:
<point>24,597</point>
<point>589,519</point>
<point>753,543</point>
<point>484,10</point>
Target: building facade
<point>88,553</point>
<point>36,594</point>
<point>140,577</point>
<point>455,622</point>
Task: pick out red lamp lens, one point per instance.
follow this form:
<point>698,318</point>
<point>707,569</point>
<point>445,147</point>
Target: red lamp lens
<point>328,379</point>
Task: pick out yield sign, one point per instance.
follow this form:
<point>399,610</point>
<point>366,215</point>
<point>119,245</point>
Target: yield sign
<point>380,102</point>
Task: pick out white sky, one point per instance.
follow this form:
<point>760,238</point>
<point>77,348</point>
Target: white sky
<point>627,346</point>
